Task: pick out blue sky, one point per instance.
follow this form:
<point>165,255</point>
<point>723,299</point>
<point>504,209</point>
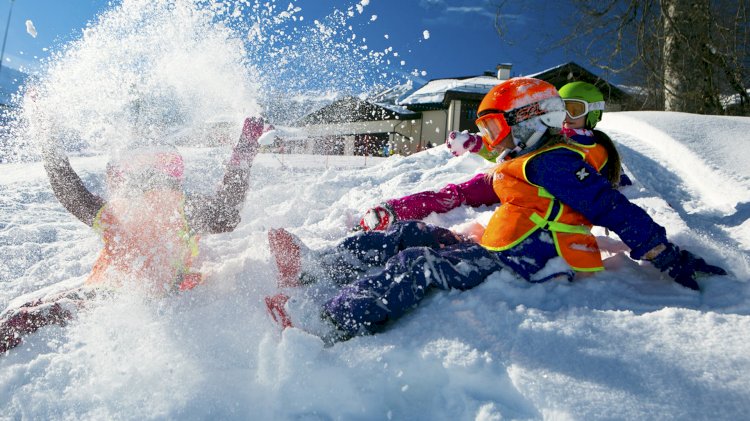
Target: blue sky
<point>462,38</point>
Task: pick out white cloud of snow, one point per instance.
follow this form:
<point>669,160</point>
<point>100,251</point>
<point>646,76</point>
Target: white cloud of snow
<point>30,29</point>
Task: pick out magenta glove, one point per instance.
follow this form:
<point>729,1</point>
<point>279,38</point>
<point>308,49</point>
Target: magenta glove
<point>378,218</point>
<point>247,146</point>
<point>461,142</point>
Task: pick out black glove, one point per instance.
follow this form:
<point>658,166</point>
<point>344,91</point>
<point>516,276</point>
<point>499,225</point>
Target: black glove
<point>682,266</point>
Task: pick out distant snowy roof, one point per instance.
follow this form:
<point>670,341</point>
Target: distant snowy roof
<point>393,94</point>
<point>571,71</point>
<point>352,109</point>
<point>435,90</point>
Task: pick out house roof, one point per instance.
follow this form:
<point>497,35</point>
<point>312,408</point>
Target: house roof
<point>438,93</point>
<point>351,109</point>
<point>434,93</point>
<point>570,72</point>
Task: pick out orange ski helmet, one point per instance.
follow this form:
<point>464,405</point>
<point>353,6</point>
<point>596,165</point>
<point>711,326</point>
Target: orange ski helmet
<point>533,102</point>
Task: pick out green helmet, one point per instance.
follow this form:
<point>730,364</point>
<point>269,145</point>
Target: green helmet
<point>590,94</point>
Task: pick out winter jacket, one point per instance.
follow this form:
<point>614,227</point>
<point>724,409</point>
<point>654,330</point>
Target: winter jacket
<point>527,207</point>
<point>570,179</point>
<point>204,214</point>
<point>147,239</point>
<point>475,192</point>
<point>150,245</point>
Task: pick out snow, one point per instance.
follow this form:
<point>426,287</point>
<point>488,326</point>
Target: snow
<point>434,91</point>
<point>624,344</point>
<point>627,343</point>
<point>30,28</point>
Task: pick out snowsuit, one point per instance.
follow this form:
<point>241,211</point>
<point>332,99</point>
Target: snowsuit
<point>146,245</point>
<point>475,192</point>
<point>565,176</point>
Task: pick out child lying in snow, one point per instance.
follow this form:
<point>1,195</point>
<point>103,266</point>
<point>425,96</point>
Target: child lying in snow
<point>551,192</point>
<point>149,226</point>
<point>584,106</point>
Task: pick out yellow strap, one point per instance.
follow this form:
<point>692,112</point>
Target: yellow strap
<point>558,226</point>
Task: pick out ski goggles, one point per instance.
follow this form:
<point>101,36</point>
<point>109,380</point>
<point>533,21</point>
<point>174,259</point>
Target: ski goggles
<point>494,125</point>
<point>577,108</point>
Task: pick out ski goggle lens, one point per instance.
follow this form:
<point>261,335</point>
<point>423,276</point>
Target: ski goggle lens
<point>493,128</point>
<point>576,108</point>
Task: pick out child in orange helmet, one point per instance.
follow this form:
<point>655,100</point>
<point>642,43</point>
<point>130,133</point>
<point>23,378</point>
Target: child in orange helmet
<point>551,193</point>
<point>584,104</point>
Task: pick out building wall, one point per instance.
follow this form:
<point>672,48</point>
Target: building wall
<point>434,128</point>
<point>403,135</point>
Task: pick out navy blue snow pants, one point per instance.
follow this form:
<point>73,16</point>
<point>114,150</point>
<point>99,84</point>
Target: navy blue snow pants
<point>364,251</point>
<point>417,257</point>
<point>413,257</point>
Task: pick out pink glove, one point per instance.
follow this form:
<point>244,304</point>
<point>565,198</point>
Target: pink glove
<point>460,142</point>
<point>378,218</point>
<point>247,146</point>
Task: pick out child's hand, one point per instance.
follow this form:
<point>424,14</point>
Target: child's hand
<point>378,218</point>
<point>683,266</point>
<point>247,146</point>
<point>460,142</point>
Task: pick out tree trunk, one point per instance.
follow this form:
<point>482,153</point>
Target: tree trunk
<point>688,76</point>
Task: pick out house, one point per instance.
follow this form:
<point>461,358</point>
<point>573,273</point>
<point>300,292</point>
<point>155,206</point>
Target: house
<point>353,126</point>
<point>422,118</point>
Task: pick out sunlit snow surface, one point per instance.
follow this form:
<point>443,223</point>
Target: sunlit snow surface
<point>624,344</point>
<point>627,343</point>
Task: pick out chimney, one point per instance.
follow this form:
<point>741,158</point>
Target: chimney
<point>503,71</point>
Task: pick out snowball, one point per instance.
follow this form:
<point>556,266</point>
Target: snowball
<point>30,29</point>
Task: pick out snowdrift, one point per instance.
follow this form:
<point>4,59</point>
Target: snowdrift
<point>624,344</point>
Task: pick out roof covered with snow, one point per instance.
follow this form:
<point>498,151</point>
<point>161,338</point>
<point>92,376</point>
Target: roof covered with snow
<point>352,109</point>
<point>434,92</point>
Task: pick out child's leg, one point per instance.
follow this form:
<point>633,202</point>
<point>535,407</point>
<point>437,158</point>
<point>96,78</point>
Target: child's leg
<point>372,249</point>
<point>354,256</point>
<point>57,309</point>
<point>367,304</point>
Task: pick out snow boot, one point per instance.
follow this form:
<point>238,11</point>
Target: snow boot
<point>275,307</point>
<point>285,249</point>
<point>306,315</point>
<point>297,265</point>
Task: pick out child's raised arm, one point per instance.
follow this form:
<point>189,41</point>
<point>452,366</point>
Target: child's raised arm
<point>221,213</point>
<point>67,185</point>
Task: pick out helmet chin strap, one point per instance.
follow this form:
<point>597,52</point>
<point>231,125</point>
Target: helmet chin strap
<point>505,153</point>
<point>531,141</point>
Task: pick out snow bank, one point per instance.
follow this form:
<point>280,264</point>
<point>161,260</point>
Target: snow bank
<point>624,344</point>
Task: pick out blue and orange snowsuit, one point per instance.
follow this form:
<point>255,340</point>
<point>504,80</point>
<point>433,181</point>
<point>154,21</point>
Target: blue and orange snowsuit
<point>477,191</point>
<point>555,194</point>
